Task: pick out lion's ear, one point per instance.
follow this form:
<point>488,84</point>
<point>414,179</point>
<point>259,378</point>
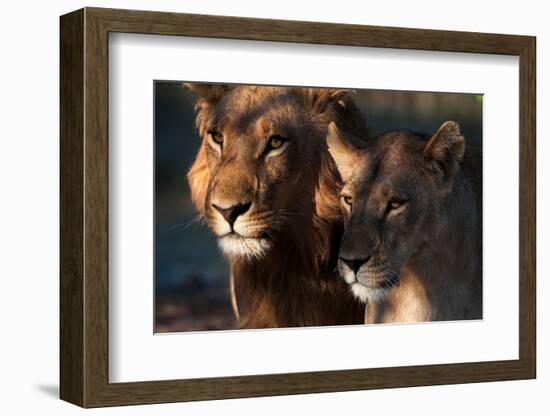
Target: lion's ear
<point>208,96</point>
<point>320,100</point>
<point>207,92</point>
<point>445,150</point>
<point>344,154</point>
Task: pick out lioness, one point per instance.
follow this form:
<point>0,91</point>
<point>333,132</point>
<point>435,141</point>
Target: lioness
<point>269,190</point>
<point>412,208</point>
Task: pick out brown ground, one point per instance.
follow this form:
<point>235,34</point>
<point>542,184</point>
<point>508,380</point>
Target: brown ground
<point>208,310</point>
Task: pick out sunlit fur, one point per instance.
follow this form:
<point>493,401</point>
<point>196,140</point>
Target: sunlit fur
<point>282,251</point>
<point>248,248</point>
<point>412,211</point>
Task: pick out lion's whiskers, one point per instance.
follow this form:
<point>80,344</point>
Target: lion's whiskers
<point>196,221</point>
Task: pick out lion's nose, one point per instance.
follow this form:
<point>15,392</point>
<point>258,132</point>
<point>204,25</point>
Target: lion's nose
<point>233,212</point>
<point>354,264</point>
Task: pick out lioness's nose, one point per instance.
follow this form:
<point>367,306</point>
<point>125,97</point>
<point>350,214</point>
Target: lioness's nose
<point>354,264</point>
<point>233,212</point>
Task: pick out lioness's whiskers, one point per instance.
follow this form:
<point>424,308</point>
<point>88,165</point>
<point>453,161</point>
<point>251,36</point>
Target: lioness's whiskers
<point>394,278</point>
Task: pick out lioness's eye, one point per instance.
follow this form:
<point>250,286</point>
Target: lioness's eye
<point>395,204</point>
<point>217,137</point>
<point>347,199</point>
<point>276,141</point>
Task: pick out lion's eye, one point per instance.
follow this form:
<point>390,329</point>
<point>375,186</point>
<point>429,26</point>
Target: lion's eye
<point>347,199</point>
<point>276,141</point>
<point>217,137</point>
<point>275,145</point>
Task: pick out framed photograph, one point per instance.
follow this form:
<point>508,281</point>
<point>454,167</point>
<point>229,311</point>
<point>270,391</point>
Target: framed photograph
<point>256,207</point>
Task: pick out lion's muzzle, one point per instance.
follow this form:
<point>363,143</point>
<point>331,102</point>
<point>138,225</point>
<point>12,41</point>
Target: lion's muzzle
<point>232,212</point>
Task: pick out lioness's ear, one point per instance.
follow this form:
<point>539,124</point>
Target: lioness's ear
<point>208,92</point>
<point>343,153</point>
<point>445,150</point>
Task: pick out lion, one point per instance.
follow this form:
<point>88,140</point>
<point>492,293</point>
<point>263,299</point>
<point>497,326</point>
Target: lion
<point>265,183</point>
<point>412,212</point>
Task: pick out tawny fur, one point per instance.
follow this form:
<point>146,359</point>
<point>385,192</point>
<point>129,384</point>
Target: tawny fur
<point>289,279</point>
<point>431,247</point>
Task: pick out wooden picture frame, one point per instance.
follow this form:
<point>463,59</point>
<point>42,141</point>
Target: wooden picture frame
<point>84,207</point>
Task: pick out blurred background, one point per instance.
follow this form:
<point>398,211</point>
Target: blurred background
<point>191,277</point>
